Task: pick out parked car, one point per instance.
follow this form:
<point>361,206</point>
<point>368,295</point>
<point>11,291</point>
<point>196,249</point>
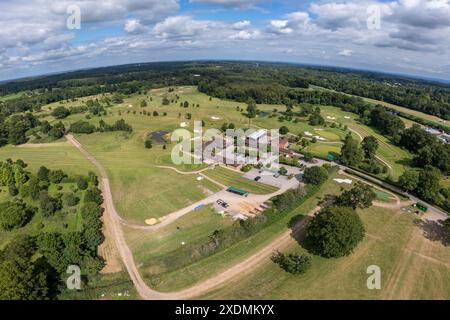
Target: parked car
<point>258,178</point>
<point>222,203</point>
<point>276,175</point>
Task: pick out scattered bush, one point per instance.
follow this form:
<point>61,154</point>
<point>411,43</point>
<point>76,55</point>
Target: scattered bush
<point>82,184</point>
<point>71,200</point>
<point>315,175</point>
<point>292,263</point>
<point>14,215</point>
<point>60,112</point>
<point>48,205</point>
<point>93,195</point>
<point>13,191</point>
<point>360,196</point>
<point>148,144</point>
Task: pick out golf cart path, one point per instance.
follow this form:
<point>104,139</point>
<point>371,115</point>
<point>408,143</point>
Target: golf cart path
<point>376,156</point>
<point>199,172</point>
<point>114,221</point>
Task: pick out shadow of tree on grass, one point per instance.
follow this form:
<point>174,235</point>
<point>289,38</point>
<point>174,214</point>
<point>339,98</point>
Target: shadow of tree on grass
<point>434,231</point>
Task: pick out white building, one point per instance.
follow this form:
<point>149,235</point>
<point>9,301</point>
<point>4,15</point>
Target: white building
<point>257,136</point>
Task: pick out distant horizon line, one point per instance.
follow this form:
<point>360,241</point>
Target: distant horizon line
<point>397,74</point>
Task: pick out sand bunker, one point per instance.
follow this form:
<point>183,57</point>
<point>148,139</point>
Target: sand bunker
<point>151,221</point>
<point>342,181</point>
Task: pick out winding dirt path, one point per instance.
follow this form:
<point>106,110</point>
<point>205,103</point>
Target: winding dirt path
<point>199,172</point>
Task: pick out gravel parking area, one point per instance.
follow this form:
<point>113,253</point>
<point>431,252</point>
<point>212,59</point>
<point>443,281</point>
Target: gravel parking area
<point>267,177</point>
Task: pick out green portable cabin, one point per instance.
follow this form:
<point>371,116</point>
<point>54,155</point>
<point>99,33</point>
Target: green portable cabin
<point>421,207</point>
<point>238,191</point>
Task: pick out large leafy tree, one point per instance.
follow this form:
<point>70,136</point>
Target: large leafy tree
<point>93,195</point>
<point>335,232</point>
<point>252,110</point>
<point>360,196</point>
<point>14,215</point>
<point>21,276</point>
<point>409,180</point>
<point>315,118</point>
<point>60,112</point>
<point>315,175</point>
<point>351,153</point>
<point>369,146</point>
<point>429,186</point>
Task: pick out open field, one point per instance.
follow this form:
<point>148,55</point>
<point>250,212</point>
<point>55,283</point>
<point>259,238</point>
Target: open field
<point>136,183</point>
<point>154,250</point>
<point>412,267</point>
<point>55,156</point>
<point>116,286</point>
<point>220,261</point>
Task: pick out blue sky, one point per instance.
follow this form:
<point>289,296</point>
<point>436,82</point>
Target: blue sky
<point>400,36</point>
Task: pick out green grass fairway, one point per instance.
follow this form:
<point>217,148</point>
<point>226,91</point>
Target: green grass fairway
<point>235,179</point>
<point>396,157</point>
<point>322,150</point>
<point>412,267</point>
<point>59,155</point>
<point>412,112</point>
<point>383,196</point>
<point>153,192</point>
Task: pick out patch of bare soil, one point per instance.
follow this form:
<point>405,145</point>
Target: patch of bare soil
<point>108,251</point>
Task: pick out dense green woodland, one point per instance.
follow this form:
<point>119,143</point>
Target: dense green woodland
<point>33,264</point>
<point>264,82</point>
